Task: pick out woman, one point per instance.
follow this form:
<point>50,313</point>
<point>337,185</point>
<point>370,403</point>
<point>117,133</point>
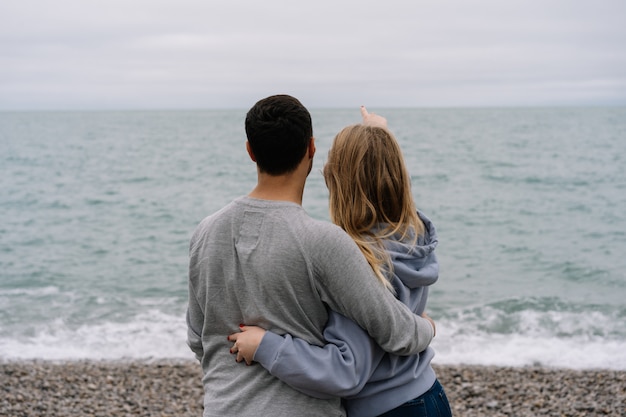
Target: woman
<point>371,199</point>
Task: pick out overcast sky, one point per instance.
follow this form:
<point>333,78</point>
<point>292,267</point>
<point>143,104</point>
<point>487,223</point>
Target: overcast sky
<point>145,54</point>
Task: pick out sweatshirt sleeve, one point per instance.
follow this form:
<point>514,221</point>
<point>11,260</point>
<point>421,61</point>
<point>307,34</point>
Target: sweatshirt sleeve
<point>195,322</point>
<point>347,284</point>
<point>339,369</point>
<point>194,340</point>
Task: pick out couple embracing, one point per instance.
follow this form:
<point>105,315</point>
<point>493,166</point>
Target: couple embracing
<point>329,317</point>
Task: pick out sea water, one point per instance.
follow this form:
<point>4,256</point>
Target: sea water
<point>97,208</point>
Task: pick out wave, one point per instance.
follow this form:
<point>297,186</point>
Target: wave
<point>523,350</point>
<point>501,334</point>
<point>538,332</point>
<point>29,292</point>
<point>150,335</point>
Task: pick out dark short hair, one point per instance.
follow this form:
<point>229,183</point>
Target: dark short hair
<point>279,130</point>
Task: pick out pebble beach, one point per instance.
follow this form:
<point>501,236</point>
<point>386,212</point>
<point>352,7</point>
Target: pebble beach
<point>173,388</point>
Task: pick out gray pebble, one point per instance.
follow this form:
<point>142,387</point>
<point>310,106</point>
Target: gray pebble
<point>173,388</point>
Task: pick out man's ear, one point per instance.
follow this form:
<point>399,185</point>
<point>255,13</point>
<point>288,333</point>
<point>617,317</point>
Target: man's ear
<point>312,148</point>
<point>250,153</point>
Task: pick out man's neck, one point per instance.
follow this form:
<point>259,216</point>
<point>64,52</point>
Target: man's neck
<point>286,187</point>
<point>289,187</point>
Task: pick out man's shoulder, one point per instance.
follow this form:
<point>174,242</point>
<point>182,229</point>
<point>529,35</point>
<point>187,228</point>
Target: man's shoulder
<point>326,239</point>
<point>220,216</point>
<point>304,227</point>
<point>322,228</point>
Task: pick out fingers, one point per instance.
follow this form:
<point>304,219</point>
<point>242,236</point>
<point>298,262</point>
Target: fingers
<point>373,119</point>
<point>235,349</point>
<point>432,323</point>
<point>240,355</point>
<point>233,338</point>
<point>246,342</point>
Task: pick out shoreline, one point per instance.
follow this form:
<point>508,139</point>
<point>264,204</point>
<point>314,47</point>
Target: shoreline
<point>173,388</point>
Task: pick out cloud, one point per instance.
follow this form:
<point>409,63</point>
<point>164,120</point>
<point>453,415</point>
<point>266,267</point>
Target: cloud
<point>189,54</point>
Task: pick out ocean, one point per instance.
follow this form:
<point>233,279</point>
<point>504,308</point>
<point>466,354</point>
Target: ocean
<point>97,209</point>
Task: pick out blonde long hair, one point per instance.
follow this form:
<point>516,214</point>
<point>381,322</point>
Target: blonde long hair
<point>370,192</point>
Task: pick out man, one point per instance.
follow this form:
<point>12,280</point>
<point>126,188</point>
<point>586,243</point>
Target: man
<point>262,260</point>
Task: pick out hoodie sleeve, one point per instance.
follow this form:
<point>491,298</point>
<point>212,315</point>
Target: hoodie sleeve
<point>338,369</point>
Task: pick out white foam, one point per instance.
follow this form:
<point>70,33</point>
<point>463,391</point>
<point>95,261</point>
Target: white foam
<point>554,339</point>
<point>523,350</point>
<point>152,334</point>
<point>575,340</point>
<point>33,292</point>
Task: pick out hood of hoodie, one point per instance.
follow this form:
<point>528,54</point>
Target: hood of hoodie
<point>416,264</point>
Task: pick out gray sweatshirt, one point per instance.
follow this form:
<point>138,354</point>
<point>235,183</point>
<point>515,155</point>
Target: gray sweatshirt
<point>267,263</point>
<point>351,365</point>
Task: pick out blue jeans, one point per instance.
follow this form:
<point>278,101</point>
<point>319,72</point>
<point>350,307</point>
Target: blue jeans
<point>432,403</point>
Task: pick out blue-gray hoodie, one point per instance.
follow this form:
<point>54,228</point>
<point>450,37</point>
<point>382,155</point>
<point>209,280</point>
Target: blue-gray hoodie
<point>351,365</point>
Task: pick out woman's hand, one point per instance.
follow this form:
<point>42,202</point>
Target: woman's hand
<point>432,322</point>
<point>372,119</point>
<point>246,342</point>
